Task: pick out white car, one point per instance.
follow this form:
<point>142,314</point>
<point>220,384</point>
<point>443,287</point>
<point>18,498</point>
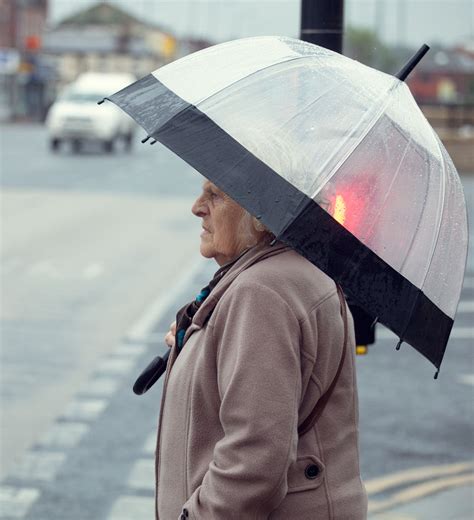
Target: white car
<point>75,116</point>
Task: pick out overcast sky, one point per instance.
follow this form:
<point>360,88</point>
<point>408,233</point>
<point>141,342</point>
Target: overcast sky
<point>412,22</point>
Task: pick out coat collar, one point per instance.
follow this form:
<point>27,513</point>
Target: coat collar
<point>251,256</point>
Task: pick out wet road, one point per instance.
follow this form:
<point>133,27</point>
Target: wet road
<point>97,254</point>
<point>87,242</point>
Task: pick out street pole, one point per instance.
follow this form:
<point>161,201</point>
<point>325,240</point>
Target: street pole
<point>322,23</point>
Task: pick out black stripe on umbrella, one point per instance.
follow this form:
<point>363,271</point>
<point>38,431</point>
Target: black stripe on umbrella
<point>149,102</point>
<point>291,215</point>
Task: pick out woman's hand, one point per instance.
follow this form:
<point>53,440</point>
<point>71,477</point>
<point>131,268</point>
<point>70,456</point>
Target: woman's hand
<point>170,337</point>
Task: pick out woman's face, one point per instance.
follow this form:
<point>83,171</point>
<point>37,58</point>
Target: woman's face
<point>221,218</point>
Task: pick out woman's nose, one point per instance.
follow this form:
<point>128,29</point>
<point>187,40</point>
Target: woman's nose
<point>199,208</point>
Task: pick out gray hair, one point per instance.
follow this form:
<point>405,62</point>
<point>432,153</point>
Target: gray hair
<point>252,231</point>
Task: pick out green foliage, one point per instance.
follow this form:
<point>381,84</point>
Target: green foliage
<point>364,45</point>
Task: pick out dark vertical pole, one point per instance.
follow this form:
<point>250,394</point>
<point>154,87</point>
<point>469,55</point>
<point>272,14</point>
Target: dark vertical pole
<point>322,23</point>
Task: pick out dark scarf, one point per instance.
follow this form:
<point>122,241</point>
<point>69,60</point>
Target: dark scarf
<point>184,317</point>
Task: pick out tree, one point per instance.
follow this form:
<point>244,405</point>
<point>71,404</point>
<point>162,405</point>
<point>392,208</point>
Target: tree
<point>363,45</point>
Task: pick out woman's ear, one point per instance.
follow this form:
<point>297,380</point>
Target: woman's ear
<point>258,226</point>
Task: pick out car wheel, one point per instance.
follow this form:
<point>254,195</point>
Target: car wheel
<point>108,146</point>
<point>128,139</point>
<point>54,144</point>
<point>76,146</point>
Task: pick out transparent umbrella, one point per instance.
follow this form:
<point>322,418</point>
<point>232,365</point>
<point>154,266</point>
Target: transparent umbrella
<point>335,158</point>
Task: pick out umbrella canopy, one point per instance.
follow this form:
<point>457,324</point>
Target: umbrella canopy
<point>335,158</point>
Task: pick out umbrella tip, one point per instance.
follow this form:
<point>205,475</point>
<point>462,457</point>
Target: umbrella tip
<point>154,141</point>
<point>437,374</point>
<point>399,344</point>
<point>413,62</point>
<point>146,139</point>
<point>101,101</point>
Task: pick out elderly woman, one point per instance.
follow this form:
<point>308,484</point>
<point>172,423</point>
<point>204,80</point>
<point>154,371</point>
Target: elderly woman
<point>259,415</point>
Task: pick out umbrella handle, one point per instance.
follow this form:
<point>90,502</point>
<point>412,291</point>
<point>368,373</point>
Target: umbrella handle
<point>151,374</point>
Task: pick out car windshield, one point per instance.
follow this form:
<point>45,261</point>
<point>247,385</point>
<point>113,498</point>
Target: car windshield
<point>81,97</point>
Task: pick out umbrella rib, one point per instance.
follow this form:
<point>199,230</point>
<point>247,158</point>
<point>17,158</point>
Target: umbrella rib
<point>373,119</point>
<point>443,203</point>
<point>233,83</point>
<point>308,106</point>
<point>377,115</point>
<point>443,197</point>
<point>389,189</point>
<point>204,99</point>
<point>402,335</point>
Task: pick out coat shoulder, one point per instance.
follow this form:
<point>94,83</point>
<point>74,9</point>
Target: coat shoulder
<point>300,283</point>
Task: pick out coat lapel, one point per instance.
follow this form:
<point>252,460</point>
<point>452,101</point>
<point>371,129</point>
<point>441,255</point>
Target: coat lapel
<point>252,256</point>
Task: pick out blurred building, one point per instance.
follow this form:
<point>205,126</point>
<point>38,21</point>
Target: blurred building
<point>22,71</point>
<point>106,38</point>
<point>444,76</point>
<point>443,85</point>
<point>22,23</point>
<point>189,45</point>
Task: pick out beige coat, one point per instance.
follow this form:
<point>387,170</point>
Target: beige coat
<point>228,447</point>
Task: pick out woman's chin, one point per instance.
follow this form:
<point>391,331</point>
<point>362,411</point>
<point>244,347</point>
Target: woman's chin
<point>206,251</point>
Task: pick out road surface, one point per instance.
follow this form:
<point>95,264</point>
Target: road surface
<point>98,252</point>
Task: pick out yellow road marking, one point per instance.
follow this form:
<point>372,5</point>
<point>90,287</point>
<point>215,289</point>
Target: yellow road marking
<point>389,481</point>
<point>393,516</point>
<point>421,490</point>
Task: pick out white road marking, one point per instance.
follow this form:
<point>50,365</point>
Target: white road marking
<point>468,282</point>
<point>143,327</point>
<point>85,410</point>
<point>142,475</point>
<point>150,444</point>
<point>456,333</point>
<point>155,338</point>
<point>44,465</point>
<point>100,386</point>
<point>419,491</point>
<point>93,271</point>
<point>116,366</point>
<point>391,516</point>
<point>131,350</point>
<point>16,502</point>
<point>462,333</point>
<point>466,306</point>
<point>47,269</point>
<point>385,482</point>
<point>39,465</point>
<point>466,379</point>
<point>64,435</point>
<point>127,507</point>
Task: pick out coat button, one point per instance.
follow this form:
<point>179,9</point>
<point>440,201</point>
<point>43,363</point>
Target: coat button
<point>311,471</point>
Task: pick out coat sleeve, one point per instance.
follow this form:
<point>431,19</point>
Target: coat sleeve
<point>259,381</point>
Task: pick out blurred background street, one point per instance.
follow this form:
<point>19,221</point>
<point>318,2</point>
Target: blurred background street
<point>99,249</point>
